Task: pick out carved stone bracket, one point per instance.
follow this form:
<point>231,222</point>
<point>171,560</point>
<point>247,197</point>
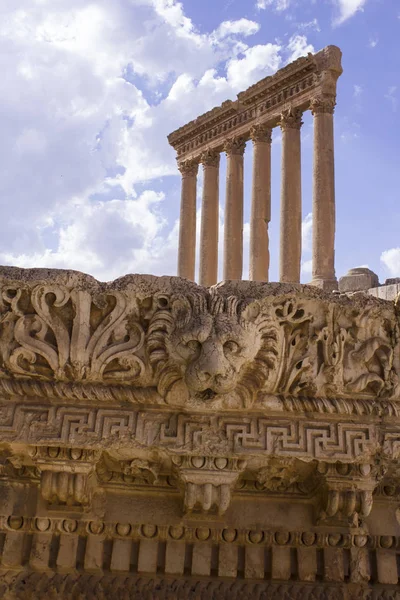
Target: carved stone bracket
<point>207,481</point>
<point>347,492</point>
<point>67,474</point>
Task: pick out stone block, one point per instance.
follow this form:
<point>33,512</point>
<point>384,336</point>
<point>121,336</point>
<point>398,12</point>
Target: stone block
<point>307,563</point>
<point>13,549</point>
<point>175,558</point>
<point>148,551</point>
<point>228,559</point>
<point>254,562</point>
<point>121,555</point>
<point>386,561</point>
<point>66,558</point>
<point>358,279</point>
<point>40,551</point>
<point>94,553</point>
<point>280,563</point>
<point>201,560</point>
<point>333,564</point>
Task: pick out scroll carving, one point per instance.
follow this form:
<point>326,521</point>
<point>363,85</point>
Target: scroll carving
<point>69,335</point>
<point>189,346</point>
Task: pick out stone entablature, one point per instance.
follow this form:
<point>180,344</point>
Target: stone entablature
<point>152,429</point>
<point>294,85</point>
<point>280,100</point>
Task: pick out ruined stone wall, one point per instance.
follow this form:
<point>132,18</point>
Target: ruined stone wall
<point>160,439</point>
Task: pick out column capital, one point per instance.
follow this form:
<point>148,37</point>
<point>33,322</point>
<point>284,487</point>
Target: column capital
<point>261,133</point>
<point>188,168</point>
<point>291,119</point>
<point>210,158</point>
<point>235,146</point>
<point>323,104</point>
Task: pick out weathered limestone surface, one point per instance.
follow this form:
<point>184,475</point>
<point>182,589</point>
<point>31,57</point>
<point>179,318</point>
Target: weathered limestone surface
<point>358,279</point>
<point>162,439</point>
<point>290,238</point>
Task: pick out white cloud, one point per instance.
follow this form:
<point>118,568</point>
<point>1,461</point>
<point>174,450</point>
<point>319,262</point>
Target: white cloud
<point>310,25</point>
<point>306,232</point>
<point>278,5</point>
<point>241,26</point>
<point>257,62</point>
<point>298,46</point>
<point>373,42</point>
<point>347,9</point>
<point>357,90</point>
<point>91,90</point>
<point>391,97</point>
<point>391,261</point>
<point>306,267</point>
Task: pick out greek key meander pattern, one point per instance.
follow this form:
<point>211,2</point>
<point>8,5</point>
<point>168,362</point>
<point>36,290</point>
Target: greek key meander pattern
<point>42,424</point>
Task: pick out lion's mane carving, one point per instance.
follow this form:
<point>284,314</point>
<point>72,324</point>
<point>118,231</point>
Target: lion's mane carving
<point>207,347</point>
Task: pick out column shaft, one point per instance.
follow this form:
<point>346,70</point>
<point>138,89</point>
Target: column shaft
<point>323,254</point>
<point>290,226</point>
<point>233,223</point>
<point>209,219</point>
<point>260,203</point>
<point>187,224</point>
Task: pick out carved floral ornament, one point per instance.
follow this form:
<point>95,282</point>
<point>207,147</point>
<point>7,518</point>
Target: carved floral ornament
<point>232,346</point>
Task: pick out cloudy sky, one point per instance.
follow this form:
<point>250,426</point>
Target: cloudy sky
<point>89,91</point>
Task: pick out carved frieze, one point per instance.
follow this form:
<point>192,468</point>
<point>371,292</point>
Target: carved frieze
<point>217,348</point>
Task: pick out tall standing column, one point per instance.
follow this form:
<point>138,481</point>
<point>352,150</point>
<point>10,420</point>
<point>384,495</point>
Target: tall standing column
<point>290,231</point>
<point>233,223</point>
<point>209,219</point>
<point>323,253</point>
<point>260,203</point>
<point>187,223</point>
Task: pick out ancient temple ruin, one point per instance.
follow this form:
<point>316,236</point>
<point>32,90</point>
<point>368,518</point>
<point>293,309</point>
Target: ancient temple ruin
<point>280,100</point>
<point>161,439</point>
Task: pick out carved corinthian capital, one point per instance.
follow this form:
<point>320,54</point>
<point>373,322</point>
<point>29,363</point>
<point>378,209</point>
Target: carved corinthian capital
<point>322,104</point>
<point>235,146</point>
<point>188,168</point>
<point>291,119</point>
<point>261,133</point>
<point>210,158</point>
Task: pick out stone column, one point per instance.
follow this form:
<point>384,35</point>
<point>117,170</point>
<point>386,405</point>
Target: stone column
<point>187,224</point>
<point>290,237</point>
<point>323,253</point>
<point>260,203</point>
<point>209,219</point>
<point>233,224</point>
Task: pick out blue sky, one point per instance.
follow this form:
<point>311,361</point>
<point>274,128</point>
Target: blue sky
<point>90,90</point>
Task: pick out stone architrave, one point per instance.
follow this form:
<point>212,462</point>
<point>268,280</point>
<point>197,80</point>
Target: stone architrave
<point>209,219</point>
<point>323,253</point>
<point>187,222</point>
<point>290,226</point>
<point>233,223</point>
<point>261,203</point>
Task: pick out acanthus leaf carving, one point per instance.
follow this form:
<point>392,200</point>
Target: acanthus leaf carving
<point>74,336</point>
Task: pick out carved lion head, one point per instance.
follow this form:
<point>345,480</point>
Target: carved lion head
<point>208,347</point>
